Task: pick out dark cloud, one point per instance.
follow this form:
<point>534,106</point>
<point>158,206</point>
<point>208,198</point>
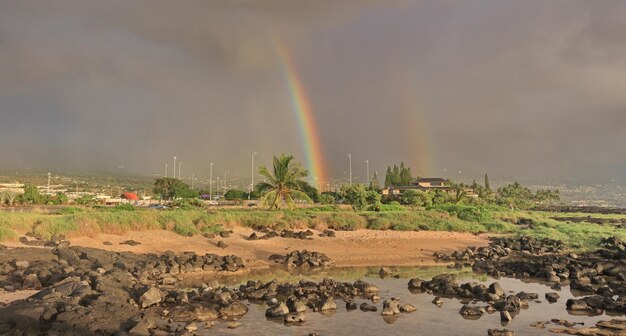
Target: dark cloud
<point>516,88</point>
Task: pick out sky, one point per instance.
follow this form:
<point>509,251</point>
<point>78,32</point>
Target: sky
<point>518,89</point>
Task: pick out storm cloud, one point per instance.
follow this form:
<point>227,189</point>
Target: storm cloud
<point>520,89</point>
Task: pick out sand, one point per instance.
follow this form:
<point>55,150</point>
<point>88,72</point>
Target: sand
<point>348,248</point>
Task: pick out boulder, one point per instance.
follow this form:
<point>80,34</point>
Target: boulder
<point>234,309</point>
<point>391,307</point>
<point>278,311</point>
<point>552,297</point>
<point>31,282</point>
<point>366,307</point>
<point>407,308</point>
<point>500,332</point>
<point>151,297</point>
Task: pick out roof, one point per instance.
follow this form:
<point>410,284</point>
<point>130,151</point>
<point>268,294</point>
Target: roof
<point>418,187</point>
<point>130,196</point>
<point>431,179</point>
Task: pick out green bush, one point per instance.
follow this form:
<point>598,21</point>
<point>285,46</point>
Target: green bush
<point>325,208</point>
<point>392,206</point>
<point>70,211</point>
<point>347,221</point>
<point>123,207</point>
<point>468,213</point>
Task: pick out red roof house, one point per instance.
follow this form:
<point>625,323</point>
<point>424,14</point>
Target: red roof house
<point>130,196</point>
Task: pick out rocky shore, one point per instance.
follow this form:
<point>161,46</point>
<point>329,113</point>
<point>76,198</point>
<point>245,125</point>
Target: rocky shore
<point>97,292</point>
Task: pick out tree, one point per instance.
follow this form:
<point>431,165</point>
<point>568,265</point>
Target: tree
<point>388,177</point>
<point>372,197</point>
<point>85,200</point>
<point>441,197</point>
<point>31,195</point>
<point>459,192</point>
<point>515,196</point>
<point>395,175</point>
<point>235,195</point>
<point>310,191</point>
<point>374,183</point>
<point>326,199</point>
<point>547,197</point>
<point>169,188</point>
<point>284,183</point>
<point>398,175</point>
<point>61,198</point>
<point>416,198</point>
<point>487,186</point>
<point>405,175</point>
<point>355,195</point>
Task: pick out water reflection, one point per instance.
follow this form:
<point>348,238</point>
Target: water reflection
<point>442,318</point>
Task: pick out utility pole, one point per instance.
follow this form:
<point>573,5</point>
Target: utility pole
<point>48,183</point>
<point>211,182</point>
<point>350,158</point>
<point>367,180</point>
<point>174,166</point>
<point>193,178</point>
<point>166,170</point>
<point>180,164</point>
<point>225,179</point>
<point>252,175</point>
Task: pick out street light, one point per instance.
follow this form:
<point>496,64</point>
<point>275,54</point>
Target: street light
<point>179,169</point>
<point>166,170</point>
<point>174,166</point>
<point>367,179</point>
<point>252,175</point>
<point>350,158</point>
<point>225,179</point>
<point>193,178</point>
<point>211,182</point>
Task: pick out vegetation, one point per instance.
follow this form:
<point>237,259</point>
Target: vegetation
<point>172,188</point>
<point>355,195</point>
<point>85,200</point>
<point>74,221</point>
<point>325,198</point>
<point>284,183</point>
<point>398,176</point>
<point>235,195</point>
<point>416,198</point>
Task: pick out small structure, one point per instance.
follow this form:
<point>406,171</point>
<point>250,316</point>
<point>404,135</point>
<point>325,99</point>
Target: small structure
<point>131,196</point>
<point>420,183</point>
<point>16,187</point>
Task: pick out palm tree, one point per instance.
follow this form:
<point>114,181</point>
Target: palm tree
<point>284,184</point>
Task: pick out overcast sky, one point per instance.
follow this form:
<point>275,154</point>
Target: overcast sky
<point>521,89</point>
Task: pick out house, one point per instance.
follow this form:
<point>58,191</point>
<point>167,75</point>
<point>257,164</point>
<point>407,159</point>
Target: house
<point>131,196</point>
<point>420,183</point>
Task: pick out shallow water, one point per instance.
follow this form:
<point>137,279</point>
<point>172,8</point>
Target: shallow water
<point>427,320</point>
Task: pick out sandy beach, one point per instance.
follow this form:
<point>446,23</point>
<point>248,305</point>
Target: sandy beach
<point>348,248</point>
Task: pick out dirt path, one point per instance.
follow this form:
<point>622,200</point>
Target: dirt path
<point>348,248</point>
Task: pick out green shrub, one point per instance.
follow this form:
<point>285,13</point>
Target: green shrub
<point>392,206</point>
<point>123,207</point>
<point>70,211</point>
<point>348,221</point>
<point>468,213</point>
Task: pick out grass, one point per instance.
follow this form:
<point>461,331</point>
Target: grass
<point>91,222</point>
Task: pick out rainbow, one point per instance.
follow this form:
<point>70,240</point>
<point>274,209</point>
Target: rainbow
<point>416,126</point>
<point>310,138</point>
